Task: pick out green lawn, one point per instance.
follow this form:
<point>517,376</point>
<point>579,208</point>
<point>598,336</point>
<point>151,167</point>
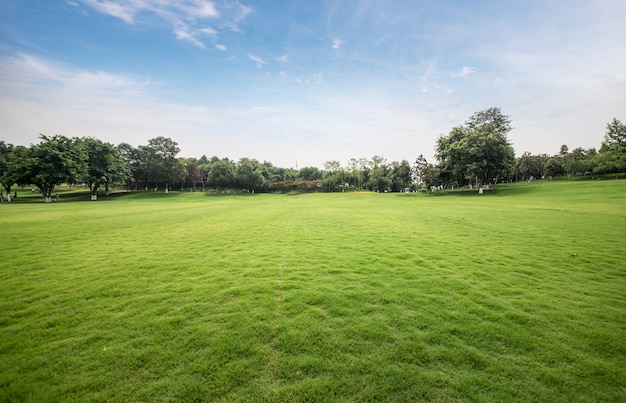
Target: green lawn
<point>515,295</point>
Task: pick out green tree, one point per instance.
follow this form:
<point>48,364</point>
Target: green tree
<point>133,161</point>
<point>333,175</point>
<point>531,166</point>
<point>579,161</point>
<point>162,164</point>
<point>378,174</point>
<point>193,175</point>
<point>554,166</point>
<point>105,165</point>
<point>249,174</point>
<point>55,160</point>
<point>419,168</point>
<point>426,175</point>
<point>431,176</point>
<point>222,174</point>
<point>611,157</point>
<point>7,179</point>
<point>401,175</point>
<point>479,150</point>
<point>615,136</point>
<point>491,120</point>
<point>310,173</point>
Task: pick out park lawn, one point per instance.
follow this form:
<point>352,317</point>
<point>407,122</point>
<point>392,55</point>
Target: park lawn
<point>515,295</point>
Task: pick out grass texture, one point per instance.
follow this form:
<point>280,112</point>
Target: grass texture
<point>515,295</point>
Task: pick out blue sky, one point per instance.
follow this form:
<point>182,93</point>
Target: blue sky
<point>304,82</point>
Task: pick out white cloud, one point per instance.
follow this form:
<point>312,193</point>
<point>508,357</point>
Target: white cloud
<point>465,71</point>
<point>282,59</point>
<point>220,47</point>
<point>182,32</point>
<point>185,16</point>
<point>125,12</point>
<point>202,8</point>
<point>237,13</point>
<point>337,43</point>
<point>208,31</point>
<point>258,60</point>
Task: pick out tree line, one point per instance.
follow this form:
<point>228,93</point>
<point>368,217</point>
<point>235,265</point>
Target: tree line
<point>475,153</point>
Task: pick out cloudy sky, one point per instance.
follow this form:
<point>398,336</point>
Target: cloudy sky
<point>304,82</point>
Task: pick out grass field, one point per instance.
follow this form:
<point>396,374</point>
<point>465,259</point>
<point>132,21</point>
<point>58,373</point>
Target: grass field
<point>515,295</point>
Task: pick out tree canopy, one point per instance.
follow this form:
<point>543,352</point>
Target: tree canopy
<point>55,160</point>
<point>479,150</point>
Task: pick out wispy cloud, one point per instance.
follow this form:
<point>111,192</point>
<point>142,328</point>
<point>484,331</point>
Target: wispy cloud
<point>465,71</point>
<point>186,16</point>
<point>125,12</point>
<point>336,43</point>
<point>282,59</point>
<point>182,32</point>
<point>208,31</point>
<point>258,60</point>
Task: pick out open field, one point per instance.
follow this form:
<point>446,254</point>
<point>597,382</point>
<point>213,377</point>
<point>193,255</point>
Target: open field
<point>516,295</point>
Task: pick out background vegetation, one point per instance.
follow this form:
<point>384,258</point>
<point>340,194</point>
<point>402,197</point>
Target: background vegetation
<point>515,295</point>
<point>475,153</point>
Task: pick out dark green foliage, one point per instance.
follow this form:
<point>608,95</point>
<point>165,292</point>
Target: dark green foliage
<point>54,161</point>
<point>161,163</point>
<point>400,176</point>
<point>105,166</point>
<point>249,174</point>
<point>222,174</point>
<point>531,166</point>
<point>479,150</point>
<point>7,178</point>
<point>612,155</point>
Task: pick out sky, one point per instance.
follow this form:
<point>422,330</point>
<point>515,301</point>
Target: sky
<point>301,82</point>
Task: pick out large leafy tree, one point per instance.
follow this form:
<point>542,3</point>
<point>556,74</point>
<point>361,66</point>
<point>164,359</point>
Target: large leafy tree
<point>531,166</point>
<point>222,174</point>
<point>161,162</point>
<point>554,166</point>
<point>426,174</point>
<point>333,175</point>
<point>249,176</point>
<point>615,136</point>
<point>401,175</point>
<point>55,160</point>
<point>378,175</point>
<point>579,161</point>
<point>6,178</point>
<point>105,165</point>
<point>193,176</point>
<point>479,150</point>
<point>134,160</point>
<point>611,157</point>
<point>310,173</point>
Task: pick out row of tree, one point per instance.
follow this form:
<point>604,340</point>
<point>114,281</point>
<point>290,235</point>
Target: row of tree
<point>477,152</point>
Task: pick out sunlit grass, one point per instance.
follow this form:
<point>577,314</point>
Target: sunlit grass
<point>516,295</point>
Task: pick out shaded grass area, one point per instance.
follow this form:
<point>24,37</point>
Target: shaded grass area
<point>516,295</point>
